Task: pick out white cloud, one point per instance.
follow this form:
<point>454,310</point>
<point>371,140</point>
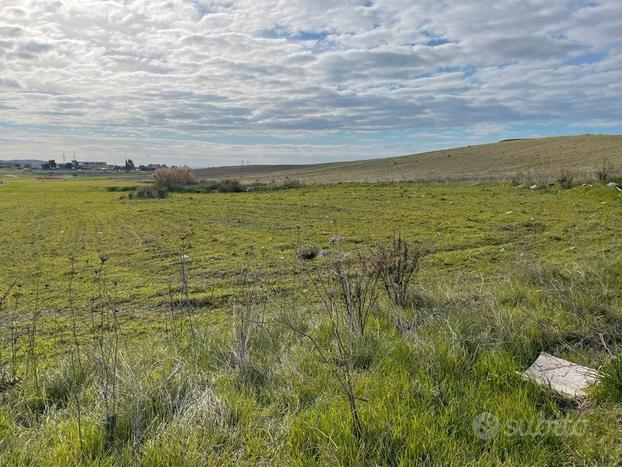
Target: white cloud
<point>220,72</point>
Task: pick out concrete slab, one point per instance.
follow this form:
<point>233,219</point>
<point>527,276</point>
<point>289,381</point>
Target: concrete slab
<point>562,376</point>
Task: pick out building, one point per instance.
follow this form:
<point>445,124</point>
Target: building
<point>88,165</point>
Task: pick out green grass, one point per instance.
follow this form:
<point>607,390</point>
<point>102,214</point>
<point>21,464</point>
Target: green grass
<point>514,272</point>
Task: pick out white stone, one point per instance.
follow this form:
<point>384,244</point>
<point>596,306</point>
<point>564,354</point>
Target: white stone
<point>562,376</point>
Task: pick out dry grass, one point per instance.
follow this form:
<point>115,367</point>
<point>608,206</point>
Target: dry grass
<point>582,155</point>
<point>172,176</point>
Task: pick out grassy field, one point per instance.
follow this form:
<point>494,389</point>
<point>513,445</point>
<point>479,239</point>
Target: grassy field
<point>543,156</point>
<point>186,330</point>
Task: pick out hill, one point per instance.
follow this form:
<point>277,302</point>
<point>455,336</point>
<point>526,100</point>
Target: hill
<point>541,156</point>
<point>21,162</point>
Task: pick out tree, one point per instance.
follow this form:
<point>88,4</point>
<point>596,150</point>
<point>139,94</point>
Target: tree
<point>51,164</point>
<point>68,166</point>
<point>129,165</point>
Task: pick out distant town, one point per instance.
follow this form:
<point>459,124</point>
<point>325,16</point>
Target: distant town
<point>75,165</point>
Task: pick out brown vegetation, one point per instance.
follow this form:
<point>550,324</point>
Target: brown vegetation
<point>171,176</point>
<point>487,162</point>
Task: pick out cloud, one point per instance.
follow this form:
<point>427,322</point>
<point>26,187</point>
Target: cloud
<point>307,78</point>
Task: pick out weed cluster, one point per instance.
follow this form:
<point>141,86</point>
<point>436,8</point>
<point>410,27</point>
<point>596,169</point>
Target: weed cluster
<point>122,188</point>
<point>168,182</point>
<point>149,192</point>
<point>565,179</point>
<point>236,186</point>
<point>397,265</point>
<point>606,172</point>
<point>309,252</point>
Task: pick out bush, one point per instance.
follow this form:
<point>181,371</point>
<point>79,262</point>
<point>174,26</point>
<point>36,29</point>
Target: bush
<point>149,192</point>
<point>606,171</point>
<point>229,186</point>
<point>121,188</point>
<point>397,265</point>
<point>213,186</point>
<point>565,179</point>
<point>174,176</point>
<point>292,183</point>
<point>308,253</point>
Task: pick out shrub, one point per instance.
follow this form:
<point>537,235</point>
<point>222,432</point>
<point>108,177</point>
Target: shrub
<point>216,186</point>
<point>308,253</point>
<point>248,312</point>
<point>348,293</point>
<point>174,176</point>
<point>397,265</point>
<point>565,179</point>
<point>121,188</point>
<point>352,284</point>
<point>149,192</point>
<point>606,171</point>
<point>292,183</point>
<point>229,186</point>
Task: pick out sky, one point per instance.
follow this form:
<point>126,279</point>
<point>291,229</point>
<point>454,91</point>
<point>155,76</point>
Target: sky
<point>218,82</point>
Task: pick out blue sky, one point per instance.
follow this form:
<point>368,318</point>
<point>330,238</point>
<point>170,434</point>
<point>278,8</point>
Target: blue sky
<point>214,82</point>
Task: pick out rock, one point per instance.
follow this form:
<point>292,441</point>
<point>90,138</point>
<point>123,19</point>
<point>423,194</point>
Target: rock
<point>564,377</point>
<point>8,384</point>
<point>336,239</point>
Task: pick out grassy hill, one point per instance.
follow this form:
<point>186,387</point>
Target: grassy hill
<point>542,156</point>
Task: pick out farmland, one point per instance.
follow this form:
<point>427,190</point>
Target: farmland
<point>158,283</point>
<point>543,157</point>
